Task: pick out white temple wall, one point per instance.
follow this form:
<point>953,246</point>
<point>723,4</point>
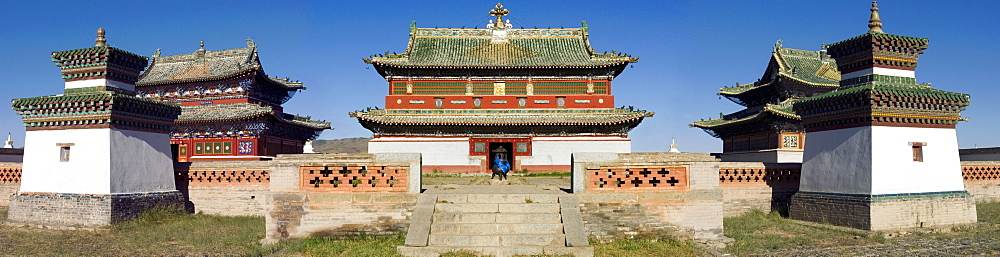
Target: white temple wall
<point>86,172</point>
<point>558,150</point>
<point>98,83</point>
<point>896,172</point>
<point>824,168</point>
<point>435,151</point>
<point>884,161</point>
<point>880,71</point>
<point>140,162</point>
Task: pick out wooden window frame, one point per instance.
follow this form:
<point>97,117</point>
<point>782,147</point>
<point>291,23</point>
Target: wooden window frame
<point>918,151</point>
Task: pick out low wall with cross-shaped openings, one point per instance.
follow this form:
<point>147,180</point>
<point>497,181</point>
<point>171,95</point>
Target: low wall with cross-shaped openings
<point>10,180</point>
<point>366,178</point>
<point>679,189</point>
<point>341,194</point>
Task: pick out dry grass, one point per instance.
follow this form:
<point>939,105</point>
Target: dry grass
<point>154,233</point>
<point>758,232</point>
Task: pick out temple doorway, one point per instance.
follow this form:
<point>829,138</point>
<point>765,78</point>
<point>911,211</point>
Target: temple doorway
<point>501,150</point>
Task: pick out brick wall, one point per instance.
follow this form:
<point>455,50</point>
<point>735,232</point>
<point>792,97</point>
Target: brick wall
<point>224,187</point>
<point>10,181</point>
<point>296,208</point>
<point>884,213</point>
<point>86,210</point>
<point>692,208</point>
<point>982,179</point>
<point>756,185</point>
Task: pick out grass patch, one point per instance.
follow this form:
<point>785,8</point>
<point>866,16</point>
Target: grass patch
<point>365,245</point>
<point>988,212</point>
<point>3,212</point>
<point>544,174</point>
<point>758,232</point>
<point>645,247</point>
<point>158,232</point>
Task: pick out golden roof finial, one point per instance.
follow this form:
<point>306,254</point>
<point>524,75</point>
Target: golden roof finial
<point>875,23</point>
<point>101,41</point>
<point>499,12</point>
<point>201,45</point>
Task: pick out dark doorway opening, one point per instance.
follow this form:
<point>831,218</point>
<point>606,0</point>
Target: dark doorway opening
<point>174,148</point>
<point>503,151</point>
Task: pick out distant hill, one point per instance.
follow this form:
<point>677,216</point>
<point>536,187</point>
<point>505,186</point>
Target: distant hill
<point>343,145</point>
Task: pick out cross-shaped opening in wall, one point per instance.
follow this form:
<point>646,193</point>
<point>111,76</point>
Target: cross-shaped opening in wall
<point>673,181</point>
<point>636,181</point>
<point>316,182</point>
<point>918,151</point>
<point>655,181</point>
<point>325,172</point>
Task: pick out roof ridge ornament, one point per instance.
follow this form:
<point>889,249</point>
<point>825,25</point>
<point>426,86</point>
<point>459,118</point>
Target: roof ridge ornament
<point>499,12</point>
<point>875,22</point>
<point>201,45</point>
<point>250,42</point>
<point>101,41</point>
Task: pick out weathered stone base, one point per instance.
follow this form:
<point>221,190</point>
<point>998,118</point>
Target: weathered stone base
<point>52,209</point>
<point>885,212</point>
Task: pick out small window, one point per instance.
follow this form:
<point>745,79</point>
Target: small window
<point>918,151</point>
<point>64,154</point>
<point>64,151</point>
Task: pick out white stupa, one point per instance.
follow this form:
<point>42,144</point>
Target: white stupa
<point>308,147</point>
<point>9,143</point>
<point>673,146</point>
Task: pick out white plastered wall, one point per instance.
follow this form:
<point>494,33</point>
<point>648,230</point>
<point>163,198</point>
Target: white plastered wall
<point>434,151</point>
<point>880,71</point>
<point>101,161</point>
<point>895,170</point>
<point>837,161</point>
<point>140,162</point>
<point>88,170</point>
<point>879,160</point>
<point>558,150</point>
<point>99,82</point>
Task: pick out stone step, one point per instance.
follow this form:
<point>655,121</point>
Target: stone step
<point>496,240</point>
<point>496,208</point>
<point>498,198</point>
<point>497,251</point>
<point>500,218</point>
<point>495,229</point>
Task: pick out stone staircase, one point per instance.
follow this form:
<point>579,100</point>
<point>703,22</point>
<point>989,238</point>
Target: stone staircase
<point>497,224</point>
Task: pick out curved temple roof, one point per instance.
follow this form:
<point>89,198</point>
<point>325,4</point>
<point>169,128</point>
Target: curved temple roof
<point>480,48</point>
<point>204,65</point>
<point>808,67</point>
<point>242,111</point>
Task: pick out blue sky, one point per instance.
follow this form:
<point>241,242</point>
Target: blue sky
<point>687,49</point>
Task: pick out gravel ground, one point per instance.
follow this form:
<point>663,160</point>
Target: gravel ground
<point>965,244</point>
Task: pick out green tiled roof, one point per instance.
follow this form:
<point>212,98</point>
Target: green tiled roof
<point>783,109</point>
<point>800,65</point>
<point>497,117</point>
<point>205,65</point>
<point>241,111</point>
<point>475,48</point>
<point>57,55</point>
<point>894,89</point>
<point>920,43</point>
